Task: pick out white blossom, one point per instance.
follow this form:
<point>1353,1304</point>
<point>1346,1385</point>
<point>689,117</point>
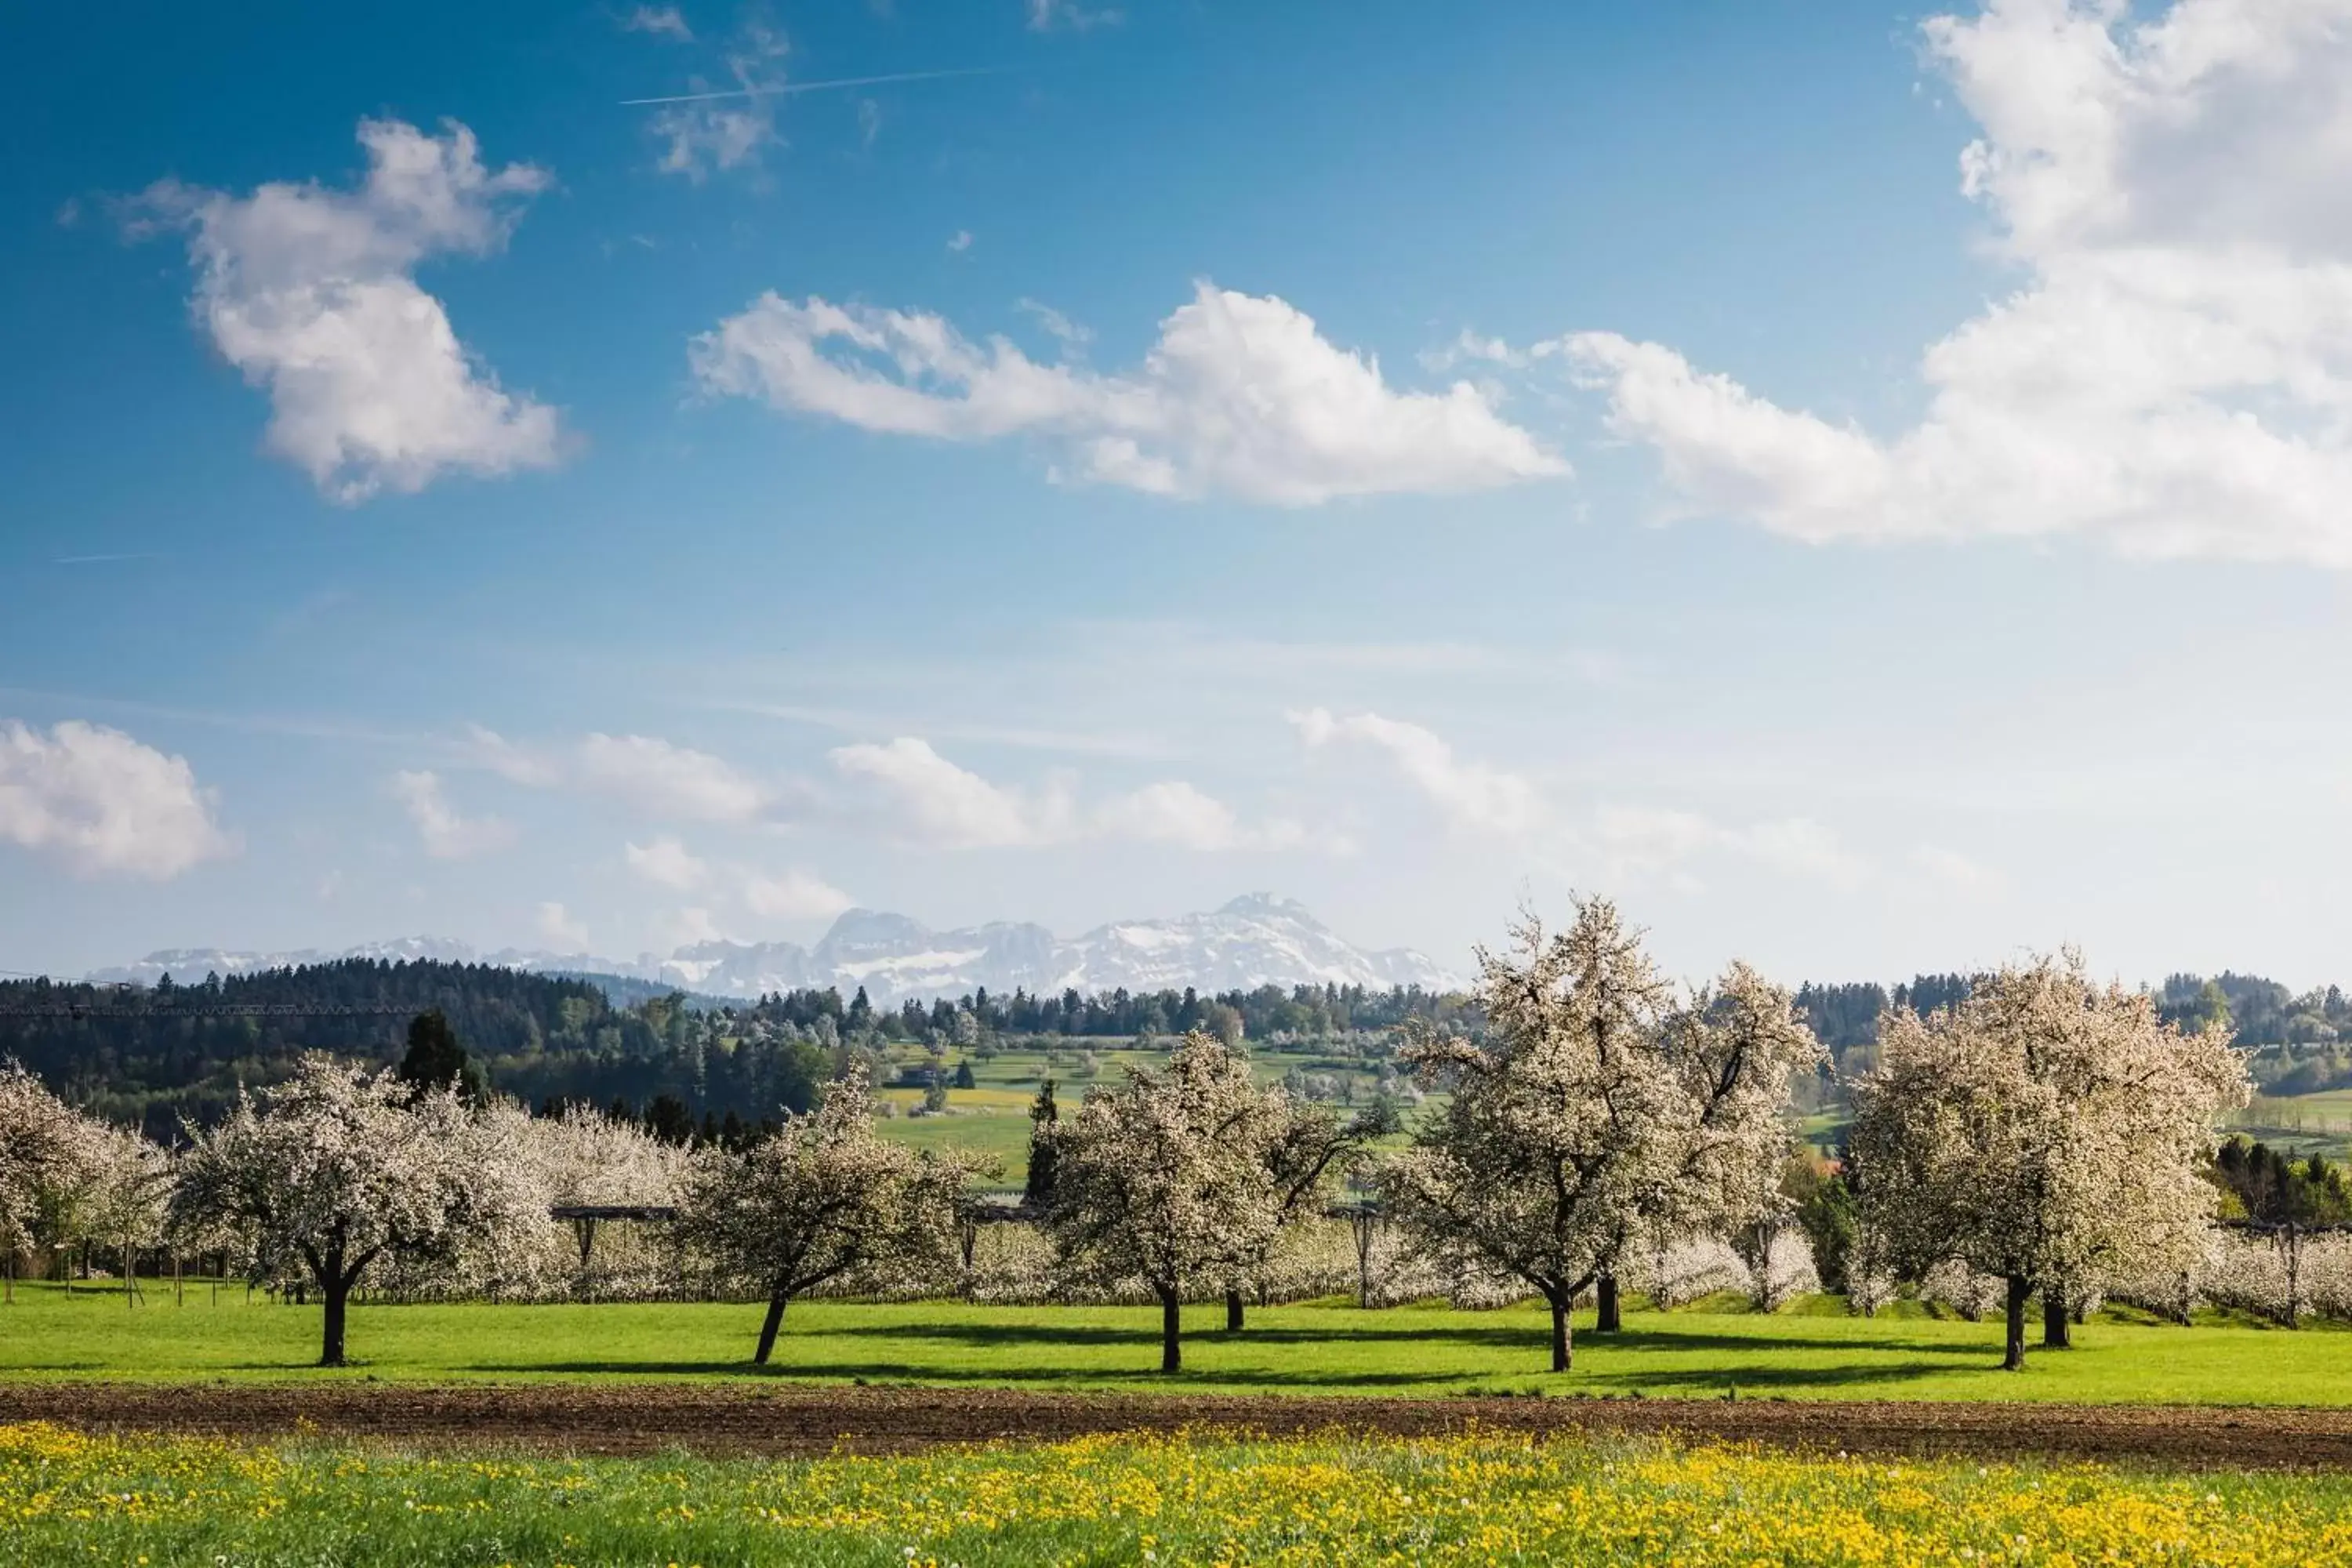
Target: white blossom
<point>1165,1178</point>
<point>2046,1130</point>
<point>821,1200</point>
<point>336,1168</point>
<point>1598,1113</point>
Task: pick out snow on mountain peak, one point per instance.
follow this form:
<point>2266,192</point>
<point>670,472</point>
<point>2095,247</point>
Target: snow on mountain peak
<point>1258,939</point>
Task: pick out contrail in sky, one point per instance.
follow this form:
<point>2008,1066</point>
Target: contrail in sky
<point>786,90</point>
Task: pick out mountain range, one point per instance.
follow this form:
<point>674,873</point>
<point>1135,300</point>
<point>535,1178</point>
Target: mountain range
<point>1257,939</point>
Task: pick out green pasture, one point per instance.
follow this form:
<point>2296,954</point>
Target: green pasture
<point>1814,1350</point>
<point>992,1118</point>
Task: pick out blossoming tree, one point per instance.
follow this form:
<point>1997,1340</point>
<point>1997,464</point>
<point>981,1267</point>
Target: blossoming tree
<point>1597,1110</point>
<point>50,1158</point>
<point>1165,1178</point>
<point>821,1199</point>
<point>337,1167</point>
<point>2046,1130</point>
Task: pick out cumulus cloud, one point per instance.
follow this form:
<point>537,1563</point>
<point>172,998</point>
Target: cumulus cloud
<point>310,292</point>
<point>669,780</point>
<point>906,790</point>
<point>1954,871</point>
<point>556,924</point>
<point>1241,395</point>
<point>920,795</point>
<point>663,21</point>
<point>792,896</point>
<point>667,863</point>
<point>1045,16</point>
<point>1609,840</point>
<point>657,776</point>
<point>2174,378</point>
<point>1470,796</point>
<point>1183,815</point>
<point>102,803</point>
<point>447,835</point>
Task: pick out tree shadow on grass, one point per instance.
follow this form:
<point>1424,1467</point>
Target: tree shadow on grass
<point>1651,1341</point>
<point>1485,1336</point>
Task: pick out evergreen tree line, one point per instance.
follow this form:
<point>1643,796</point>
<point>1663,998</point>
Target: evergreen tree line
<point>152,1057</point>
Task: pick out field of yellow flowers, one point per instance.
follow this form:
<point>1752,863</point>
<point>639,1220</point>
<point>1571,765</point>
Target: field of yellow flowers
<point>66,1498</point>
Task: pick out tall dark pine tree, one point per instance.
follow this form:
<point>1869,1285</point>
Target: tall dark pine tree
<point>436,1060</point>
<point>1039,1191</point>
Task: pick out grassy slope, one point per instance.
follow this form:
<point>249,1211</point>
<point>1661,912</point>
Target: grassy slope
<point>992,1117</point>
<point>1320,1349</point>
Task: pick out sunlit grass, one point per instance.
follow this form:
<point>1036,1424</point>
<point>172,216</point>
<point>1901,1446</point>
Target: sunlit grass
<point>1813,1351</point>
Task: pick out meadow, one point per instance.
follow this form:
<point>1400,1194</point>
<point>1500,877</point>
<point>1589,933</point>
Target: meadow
<point>1813,1351</point>
<point>992,1118</point>
<point>65,1497</point>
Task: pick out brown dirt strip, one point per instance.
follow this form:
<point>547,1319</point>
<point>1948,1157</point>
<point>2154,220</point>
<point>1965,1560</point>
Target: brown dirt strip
<point>633,1418</point>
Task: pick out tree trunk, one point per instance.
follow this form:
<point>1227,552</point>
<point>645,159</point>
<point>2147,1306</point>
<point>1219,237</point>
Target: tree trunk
<point>2013,1357</point>
<point>1562,1349</point>
<point>1609,1315</point>
<point>774,1321</point>
<point>1232,1310</point>
<point>2057,1324</point>
<point>339,1294</point>
<point>1172,1347</point>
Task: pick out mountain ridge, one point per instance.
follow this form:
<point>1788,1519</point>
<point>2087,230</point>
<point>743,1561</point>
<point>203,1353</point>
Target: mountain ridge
<point>1254,939</point>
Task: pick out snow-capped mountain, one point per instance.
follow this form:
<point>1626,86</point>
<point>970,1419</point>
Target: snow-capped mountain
<point>1253,941</point>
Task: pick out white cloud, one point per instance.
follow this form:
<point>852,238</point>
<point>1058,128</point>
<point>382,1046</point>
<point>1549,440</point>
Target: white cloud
<point>667,863</point>
<point>1615,842</point>
<point>907,790</point>
<point>664,21</point>
<point>1954,869</point>
<point>103,803</point>
<point>1806,850</point>
<point>1045,16</point>
<point>2175,376</point>
<point>657,777</point>
<point>919,795</point>
<point>1631,843</point>
<point>1241,395</point>
<point>667,780</point>
<point>447,835</point>
<point>556,924</point>
<point>1182,814</point>
<point>792,896</point>
<point>516,764</point>
<point>312,293</point>
<point>1470,796</point>
<point>959,242</point>
<point>691,927</point>
<point>728,130</point>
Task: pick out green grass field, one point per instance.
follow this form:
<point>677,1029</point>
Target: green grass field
<point>1812,1352</point>
<point>991,1118</point>
<point>1470,1500</point>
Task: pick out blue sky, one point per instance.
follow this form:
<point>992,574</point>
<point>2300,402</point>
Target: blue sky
<point>1435,461</point>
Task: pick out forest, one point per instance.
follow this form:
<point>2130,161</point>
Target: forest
<point>153,1058</point>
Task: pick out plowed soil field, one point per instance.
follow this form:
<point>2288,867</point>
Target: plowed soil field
<point>801,1421</point>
